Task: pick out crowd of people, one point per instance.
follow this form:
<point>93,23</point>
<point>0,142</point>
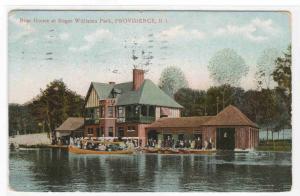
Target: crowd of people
<point>180,143</point>
<point>102,144</point>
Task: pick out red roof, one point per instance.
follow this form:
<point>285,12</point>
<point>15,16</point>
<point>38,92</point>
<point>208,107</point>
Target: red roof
<point>230,115</point>
<point>194,121</point>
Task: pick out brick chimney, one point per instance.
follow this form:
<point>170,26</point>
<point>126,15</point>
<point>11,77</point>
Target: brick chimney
<point>138,78</point>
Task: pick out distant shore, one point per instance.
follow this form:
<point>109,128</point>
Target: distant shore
<point>276,146</point>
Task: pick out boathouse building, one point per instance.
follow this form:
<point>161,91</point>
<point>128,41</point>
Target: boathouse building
<point>228,130</point>
<point>126,109</point>
<point>140,109</point>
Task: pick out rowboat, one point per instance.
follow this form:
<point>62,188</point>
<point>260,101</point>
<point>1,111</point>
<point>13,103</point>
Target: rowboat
<point>198,151</point>
<point>75,150</point>
<point>184,151</point>
<point>168,151</point>
<point>151,150</point>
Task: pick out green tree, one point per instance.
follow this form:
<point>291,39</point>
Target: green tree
<point>193,101</point>
<point>229,95</point>
<point>265,67</point>
<point>283,76</point>
<point>172,79</point>
<point>46,111</point>
<point>226,67</point>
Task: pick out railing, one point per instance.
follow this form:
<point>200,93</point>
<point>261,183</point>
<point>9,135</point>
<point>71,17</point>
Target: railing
<point>141,119</point>
<point>91,121</point>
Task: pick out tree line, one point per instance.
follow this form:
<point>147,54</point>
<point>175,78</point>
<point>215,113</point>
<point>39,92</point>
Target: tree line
<point>269,107</point>
<point>46,111</point>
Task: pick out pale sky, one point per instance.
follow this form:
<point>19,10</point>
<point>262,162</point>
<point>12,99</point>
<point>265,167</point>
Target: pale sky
<point>58,47</point>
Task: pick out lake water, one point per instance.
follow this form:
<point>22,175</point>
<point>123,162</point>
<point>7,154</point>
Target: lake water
<point>56,170</point>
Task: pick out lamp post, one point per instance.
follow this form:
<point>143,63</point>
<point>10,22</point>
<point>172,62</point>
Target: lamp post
<point>217,104</point>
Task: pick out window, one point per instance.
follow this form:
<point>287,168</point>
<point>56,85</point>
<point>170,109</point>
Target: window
<point>98,130</point>
<point>102,112</point>
<point>128,111</point>
<point>110,131</point>
<point>110,111</point>
<point>89,112</point>
<point>144,110</point>
<point>137,110</point>
<point>102,132</point>
<point>121,132</point>
<point>90,130</point>
<point>121,112</point>
<point>130,129</point>
<point>152,111</point>
<point>97,113</point>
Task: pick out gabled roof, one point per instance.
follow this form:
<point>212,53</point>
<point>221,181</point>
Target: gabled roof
<point>103,90</point>
<point>191,122</point>
<point>230,115</point>
<point>148,94</point>
<point>71,124</point>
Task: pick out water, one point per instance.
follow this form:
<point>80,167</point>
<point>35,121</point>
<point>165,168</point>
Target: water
<point>56,170</point>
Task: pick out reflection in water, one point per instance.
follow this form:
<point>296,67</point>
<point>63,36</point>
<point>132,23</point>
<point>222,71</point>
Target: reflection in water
<point>56,170</point>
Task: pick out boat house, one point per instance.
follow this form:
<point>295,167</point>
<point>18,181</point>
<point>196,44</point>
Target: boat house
<point>140,109</point>
<point>228,130</point>
<point>126,109</point>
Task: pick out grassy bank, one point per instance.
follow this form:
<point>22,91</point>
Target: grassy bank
<point>277,145</point>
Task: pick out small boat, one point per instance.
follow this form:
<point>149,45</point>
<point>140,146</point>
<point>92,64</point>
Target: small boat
<point>168,151</point>
<point>151,150</point>
<point>200,151</point>
<point>57,146</point>
<point>184,151</point>
<point>76,150</point>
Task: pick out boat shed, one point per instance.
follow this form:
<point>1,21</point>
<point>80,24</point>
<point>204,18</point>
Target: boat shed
<point>230,129</point>
<point>73,126</point>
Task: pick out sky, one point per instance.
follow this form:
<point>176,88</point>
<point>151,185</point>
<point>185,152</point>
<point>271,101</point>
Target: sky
<point>84,46</point>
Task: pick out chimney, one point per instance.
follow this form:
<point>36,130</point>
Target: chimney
<point>138,78</point>
<point>112,83</point>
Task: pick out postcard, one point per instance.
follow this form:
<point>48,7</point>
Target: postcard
<point>149,100</point>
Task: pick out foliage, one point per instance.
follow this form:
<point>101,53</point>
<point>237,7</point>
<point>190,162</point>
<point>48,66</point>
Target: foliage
<point>282,73</point>
<point>192,100</point>
<point>227,67</point>
<point>20,120</point>
<point>172,79</point>
<point>265,67</point>
<point>266,107</point>
<point>46,111</point>
<point>283,76</point>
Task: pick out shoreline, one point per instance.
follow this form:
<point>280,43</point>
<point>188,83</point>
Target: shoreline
<point>65,147</point>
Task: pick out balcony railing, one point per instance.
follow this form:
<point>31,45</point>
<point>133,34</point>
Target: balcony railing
<point>141,119</point>
<point>91,121</point>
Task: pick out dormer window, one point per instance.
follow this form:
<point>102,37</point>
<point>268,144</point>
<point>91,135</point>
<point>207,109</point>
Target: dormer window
<point>115,92</point>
